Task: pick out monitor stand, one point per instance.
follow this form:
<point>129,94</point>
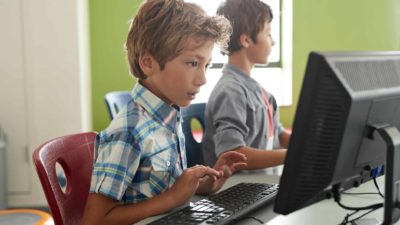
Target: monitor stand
<point>391,136</point>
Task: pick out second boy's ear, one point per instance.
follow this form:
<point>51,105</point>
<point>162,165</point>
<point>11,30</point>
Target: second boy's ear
<point>147,63</point>
<point>245,40</point>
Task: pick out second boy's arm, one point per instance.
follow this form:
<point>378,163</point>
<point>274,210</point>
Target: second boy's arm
<point>231,128</point>
<point>104,210</point>
<point>258,159</point>
<point>284,138</point>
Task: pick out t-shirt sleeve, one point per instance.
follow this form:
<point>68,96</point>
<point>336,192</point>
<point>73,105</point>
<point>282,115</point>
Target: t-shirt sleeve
<point>116,162</point>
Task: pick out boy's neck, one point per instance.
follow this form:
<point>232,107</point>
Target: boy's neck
<point>153,89</point>
<point>241,61</point>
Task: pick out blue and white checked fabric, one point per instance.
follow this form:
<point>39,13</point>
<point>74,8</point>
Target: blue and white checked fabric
<point>137,155</point>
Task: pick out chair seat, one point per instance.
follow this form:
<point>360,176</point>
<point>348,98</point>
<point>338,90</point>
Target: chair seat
<point>25,217</point>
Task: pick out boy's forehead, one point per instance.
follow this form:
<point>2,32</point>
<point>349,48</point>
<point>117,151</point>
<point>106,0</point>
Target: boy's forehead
<point>193,44</point>
<point>267,25</point>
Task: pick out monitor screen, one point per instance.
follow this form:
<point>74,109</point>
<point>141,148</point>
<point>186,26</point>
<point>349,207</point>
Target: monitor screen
<point>345,99</point>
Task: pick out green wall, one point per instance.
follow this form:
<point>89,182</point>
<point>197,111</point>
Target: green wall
<point>109,24</point>
<point>324,25</point>
<point>320,25</point>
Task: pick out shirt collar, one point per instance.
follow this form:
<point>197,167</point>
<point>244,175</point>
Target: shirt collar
<point>162,112</point>
<point>243,77</point>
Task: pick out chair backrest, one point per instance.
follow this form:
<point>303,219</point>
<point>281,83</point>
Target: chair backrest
<point>116,100</point>
<point>193,148</point>
<point>74,153</point>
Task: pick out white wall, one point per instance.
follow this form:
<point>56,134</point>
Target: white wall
<point>44,86</point>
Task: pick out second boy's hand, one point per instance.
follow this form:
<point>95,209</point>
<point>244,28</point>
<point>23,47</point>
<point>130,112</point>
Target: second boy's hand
<point>227,164</point>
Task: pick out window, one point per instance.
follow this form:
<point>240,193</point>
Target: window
<point>276,77</point>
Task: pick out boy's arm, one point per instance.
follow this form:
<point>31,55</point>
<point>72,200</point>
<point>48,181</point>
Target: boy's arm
<point>284,138</point>
<point>230,161</point>
<point>103,210</point>
<point>257,159</point>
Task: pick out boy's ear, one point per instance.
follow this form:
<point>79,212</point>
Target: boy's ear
<point>147,63</point>
<point>245,40</point>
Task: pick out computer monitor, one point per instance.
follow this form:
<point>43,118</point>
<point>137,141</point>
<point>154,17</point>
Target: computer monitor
<point>347,121</point>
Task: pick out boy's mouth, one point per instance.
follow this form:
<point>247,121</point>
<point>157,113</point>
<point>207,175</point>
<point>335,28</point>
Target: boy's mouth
<point>192,95</point>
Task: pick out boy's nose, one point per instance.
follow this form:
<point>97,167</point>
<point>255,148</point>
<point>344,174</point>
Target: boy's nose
<point>201,77</point>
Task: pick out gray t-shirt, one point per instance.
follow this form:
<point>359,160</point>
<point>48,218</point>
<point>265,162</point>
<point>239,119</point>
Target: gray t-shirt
<point>236,115</point>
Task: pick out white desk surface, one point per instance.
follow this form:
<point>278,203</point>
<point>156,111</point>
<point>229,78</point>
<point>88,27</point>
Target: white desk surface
<point>325,212</point>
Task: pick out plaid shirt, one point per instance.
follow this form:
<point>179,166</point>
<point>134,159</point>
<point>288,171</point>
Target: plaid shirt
<point>138,155</point>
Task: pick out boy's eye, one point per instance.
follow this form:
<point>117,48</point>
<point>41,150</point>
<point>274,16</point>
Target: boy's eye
<point>192,63</point>
<point>207,65</point>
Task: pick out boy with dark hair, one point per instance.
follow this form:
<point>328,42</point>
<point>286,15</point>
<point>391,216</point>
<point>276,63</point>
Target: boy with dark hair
<point>240,115</point>
<point>140,161</point>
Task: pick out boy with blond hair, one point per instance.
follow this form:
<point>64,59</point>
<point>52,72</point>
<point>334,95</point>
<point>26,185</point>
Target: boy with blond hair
<point>240,115</point>
<point>140,161</point>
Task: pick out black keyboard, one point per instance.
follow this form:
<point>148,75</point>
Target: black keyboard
<point>223,207</point>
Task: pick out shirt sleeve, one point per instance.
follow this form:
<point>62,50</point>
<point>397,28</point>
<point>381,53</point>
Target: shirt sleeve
<point>116,162</point>
<point>229,117</point>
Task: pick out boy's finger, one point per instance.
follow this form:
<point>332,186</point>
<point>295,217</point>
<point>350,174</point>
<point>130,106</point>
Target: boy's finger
<point>238,165</point>
<point>202,171</point>
<point>239,157</point>
<point>235,156</point>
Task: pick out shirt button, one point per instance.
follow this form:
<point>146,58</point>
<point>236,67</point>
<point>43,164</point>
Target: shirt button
<point>168,163</point>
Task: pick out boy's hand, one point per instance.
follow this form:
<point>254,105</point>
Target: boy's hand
<point>227,164</point>
<point>230,162</point>
<point>188,182</point>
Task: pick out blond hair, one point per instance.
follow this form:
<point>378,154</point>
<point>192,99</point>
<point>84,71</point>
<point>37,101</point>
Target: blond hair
<point>163,27</point>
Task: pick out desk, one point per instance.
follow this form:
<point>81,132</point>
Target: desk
<point>325,212</point>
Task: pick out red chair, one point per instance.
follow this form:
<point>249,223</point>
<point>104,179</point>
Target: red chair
<point>74,153</point>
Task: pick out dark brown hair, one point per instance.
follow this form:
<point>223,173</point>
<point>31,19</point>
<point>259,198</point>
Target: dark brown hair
<point>246,17</point>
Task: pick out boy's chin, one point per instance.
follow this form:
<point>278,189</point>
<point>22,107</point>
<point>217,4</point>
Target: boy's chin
<point>183,104</point>
<point>262,62</point>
